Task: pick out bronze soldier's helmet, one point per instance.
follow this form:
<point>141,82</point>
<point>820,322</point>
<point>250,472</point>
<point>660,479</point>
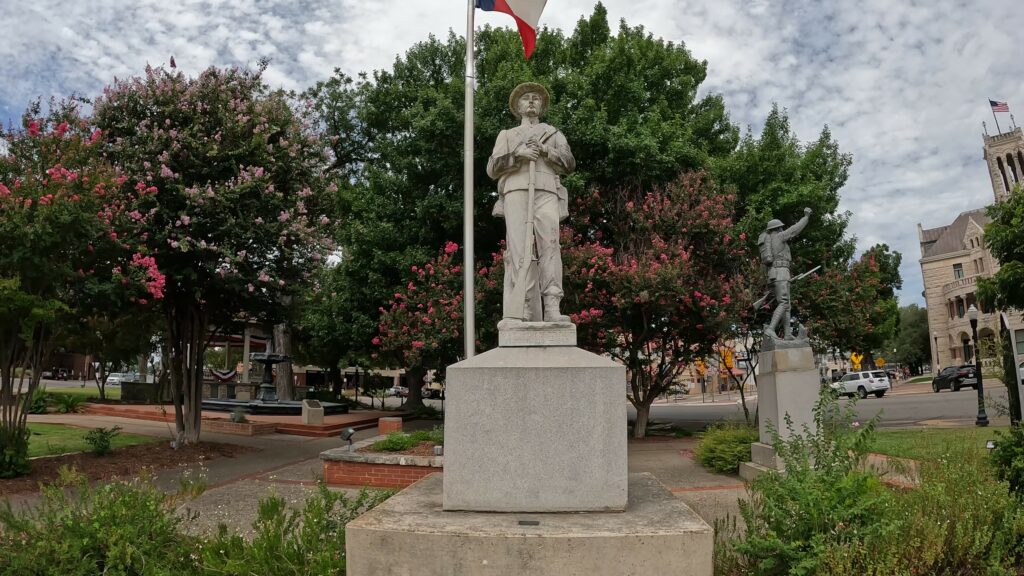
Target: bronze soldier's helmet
<point>773,224</point>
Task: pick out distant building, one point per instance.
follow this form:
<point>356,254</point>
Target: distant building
<point>953,257</point>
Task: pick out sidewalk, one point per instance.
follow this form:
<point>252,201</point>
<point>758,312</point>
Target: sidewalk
<point>289,467</point>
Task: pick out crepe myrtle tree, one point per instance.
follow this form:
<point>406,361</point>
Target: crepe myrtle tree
<point>63,253</point>
<point>422,328</point>
<point>231,203</point>
<point>657,286</point>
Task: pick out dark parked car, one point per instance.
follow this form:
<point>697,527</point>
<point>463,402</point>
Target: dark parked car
<point>955,378</point>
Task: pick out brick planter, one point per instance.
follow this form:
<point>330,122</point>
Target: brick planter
<point>239,428</point>
<point>374,469</point>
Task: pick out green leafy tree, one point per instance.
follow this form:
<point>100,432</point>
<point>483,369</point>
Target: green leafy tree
<point>1004,236</point>
<point>628,103</point>
<point>62,251</point>
<point>661,286</point>
<point>114,339</point>
<point>912,343</point>
<point>852,308</point>
<point>230,190</point>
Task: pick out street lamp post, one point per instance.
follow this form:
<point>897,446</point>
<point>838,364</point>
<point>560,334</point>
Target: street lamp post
<point>972,315</point>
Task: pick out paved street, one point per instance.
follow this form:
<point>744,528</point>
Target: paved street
<point>915,404</point>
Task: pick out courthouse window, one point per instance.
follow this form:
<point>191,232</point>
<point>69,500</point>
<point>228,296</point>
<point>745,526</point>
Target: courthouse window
<point>958,271</point>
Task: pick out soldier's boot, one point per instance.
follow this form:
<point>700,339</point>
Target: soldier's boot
<point>551,312</point>
<point>773,326</point>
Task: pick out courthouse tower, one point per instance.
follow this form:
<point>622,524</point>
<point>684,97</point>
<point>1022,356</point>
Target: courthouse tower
<point>1004,154</point>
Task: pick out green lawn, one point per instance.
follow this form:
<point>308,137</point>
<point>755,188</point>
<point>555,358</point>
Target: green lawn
<point>48,439</point>
<point>90,391</point>
<point>931,443</point>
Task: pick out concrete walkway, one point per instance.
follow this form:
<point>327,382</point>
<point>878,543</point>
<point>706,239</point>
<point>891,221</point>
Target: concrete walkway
<point>289,467</point>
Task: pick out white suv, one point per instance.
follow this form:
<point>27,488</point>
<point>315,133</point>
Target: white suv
<point>863,383</point>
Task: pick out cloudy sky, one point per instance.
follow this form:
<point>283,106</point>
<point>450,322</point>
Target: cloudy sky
<point>904,84</point>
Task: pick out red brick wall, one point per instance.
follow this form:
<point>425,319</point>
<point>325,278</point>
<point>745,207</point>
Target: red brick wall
<point>338,472</point>
<point>242,429</point>
<point>388,424</point>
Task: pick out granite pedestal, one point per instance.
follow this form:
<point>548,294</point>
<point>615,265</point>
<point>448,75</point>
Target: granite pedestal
<point>788,384</point>
<point>535,429</point>
<point>411,535</point>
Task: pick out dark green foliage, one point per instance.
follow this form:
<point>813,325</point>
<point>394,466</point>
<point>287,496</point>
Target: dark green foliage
<point>1004,236</point>
<point>399,441</point>
<point>99,439</point>
<point>1008,458</point>
<point>291,542</point>
<point>68,403</point>
<point>912,342</point>
<point>132,529</point>
<point>14,451</point>
<point>834,518</point>
<point>115,529</point>
<point>723,448</point>
<point>40,401</point>
<point>1011,376</point>
<point>628,103</point>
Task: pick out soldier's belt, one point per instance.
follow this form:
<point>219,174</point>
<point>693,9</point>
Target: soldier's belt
<point>782,264</point>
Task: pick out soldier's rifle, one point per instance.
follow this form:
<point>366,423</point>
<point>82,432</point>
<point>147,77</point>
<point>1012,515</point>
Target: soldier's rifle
<point>771,293</point>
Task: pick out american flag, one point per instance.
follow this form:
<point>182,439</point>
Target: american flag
<point>999,106</point>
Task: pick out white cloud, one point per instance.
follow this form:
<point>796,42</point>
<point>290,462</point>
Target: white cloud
<point>902,84</point>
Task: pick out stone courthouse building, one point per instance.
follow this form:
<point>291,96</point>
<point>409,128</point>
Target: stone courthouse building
<point>953,257</point>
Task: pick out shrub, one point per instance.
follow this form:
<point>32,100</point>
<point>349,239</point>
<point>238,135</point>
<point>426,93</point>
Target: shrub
<point>99,439</point>
<point>399,441</point>
<point>290,542</point>
<point>724,447</point>
<point>114,528</point>
<point>822,500</point>
<point>67,404</point>
<point>40,401</point>
<point>14,451</point>
<point>238,415</point>
<point>826,516</point>
<point>1008,458</point>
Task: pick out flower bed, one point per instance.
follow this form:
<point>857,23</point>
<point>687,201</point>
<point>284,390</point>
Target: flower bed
<point>376,469</point>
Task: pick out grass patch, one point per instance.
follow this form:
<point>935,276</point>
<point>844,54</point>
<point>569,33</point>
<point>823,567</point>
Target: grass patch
<point>90,391</point>
<point>917,379</point>
<point>930,444</point>
<point>52,439</point>
<point>398,441</point>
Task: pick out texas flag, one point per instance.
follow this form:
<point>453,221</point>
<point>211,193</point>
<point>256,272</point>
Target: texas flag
<point>526,13</point>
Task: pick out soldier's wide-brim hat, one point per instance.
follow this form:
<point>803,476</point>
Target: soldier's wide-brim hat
<point>773,224</point>
<point>525,88</point>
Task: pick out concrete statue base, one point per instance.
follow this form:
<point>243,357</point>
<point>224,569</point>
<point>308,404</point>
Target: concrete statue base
<point>788,384</point>
<point>411,535</point>
<point>518,333</point>
<point>535,429</point>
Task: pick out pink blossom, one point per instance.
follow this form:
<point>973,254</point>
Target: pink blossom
<point>417,344</point>
<point>143,301</point>
<point>251,287</point>
<point>376,341</point>
<point>450,247</point>
<point>4,190</point>
<point>283,216</point>
<point>324,220</point>
<point>185,220</point>
<point>33,128</point>
<point>263,277</point>
<point>61,129</point>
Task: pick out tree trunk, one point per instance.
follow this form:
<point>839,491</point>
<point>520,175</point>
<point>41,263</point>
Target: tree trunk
<point>643,415</point>
<point>414,377</point>
<point>187,341</point>
<point>334,375</point>
<point>283,345</point>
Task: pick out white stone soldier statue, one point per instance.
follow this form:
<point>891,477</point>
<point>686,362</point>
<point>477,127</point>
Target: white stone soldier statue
<point>775,256</point>
<point>527,161</point>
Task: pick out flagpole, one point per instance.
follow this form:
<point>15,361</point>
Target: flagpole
<point>998,129</point>
<point>469,292</point>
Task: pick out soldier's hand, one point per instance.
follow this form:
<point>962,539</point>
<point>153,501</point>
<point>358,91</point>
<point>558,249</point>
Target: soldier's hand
<point>807,211</point>
<point>527,152</point>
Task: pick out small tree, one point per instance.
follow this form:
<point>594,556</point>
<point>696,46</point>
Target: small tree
<point>62,253</point>
<point>422,328</point>
<point>661,284</point>
<point>230,188</point>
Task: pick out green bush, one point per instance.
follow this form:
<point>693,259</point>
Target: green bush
<point>117,528</point>
<point>14,451</point>
<point>1008,458</point>
<point>827,516</point>
<point>67,404</point>
<point>289,542</point>
<point>399,441</point>
<point>724,447</point>
<point>99,439</point>
<point>40,401</point>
